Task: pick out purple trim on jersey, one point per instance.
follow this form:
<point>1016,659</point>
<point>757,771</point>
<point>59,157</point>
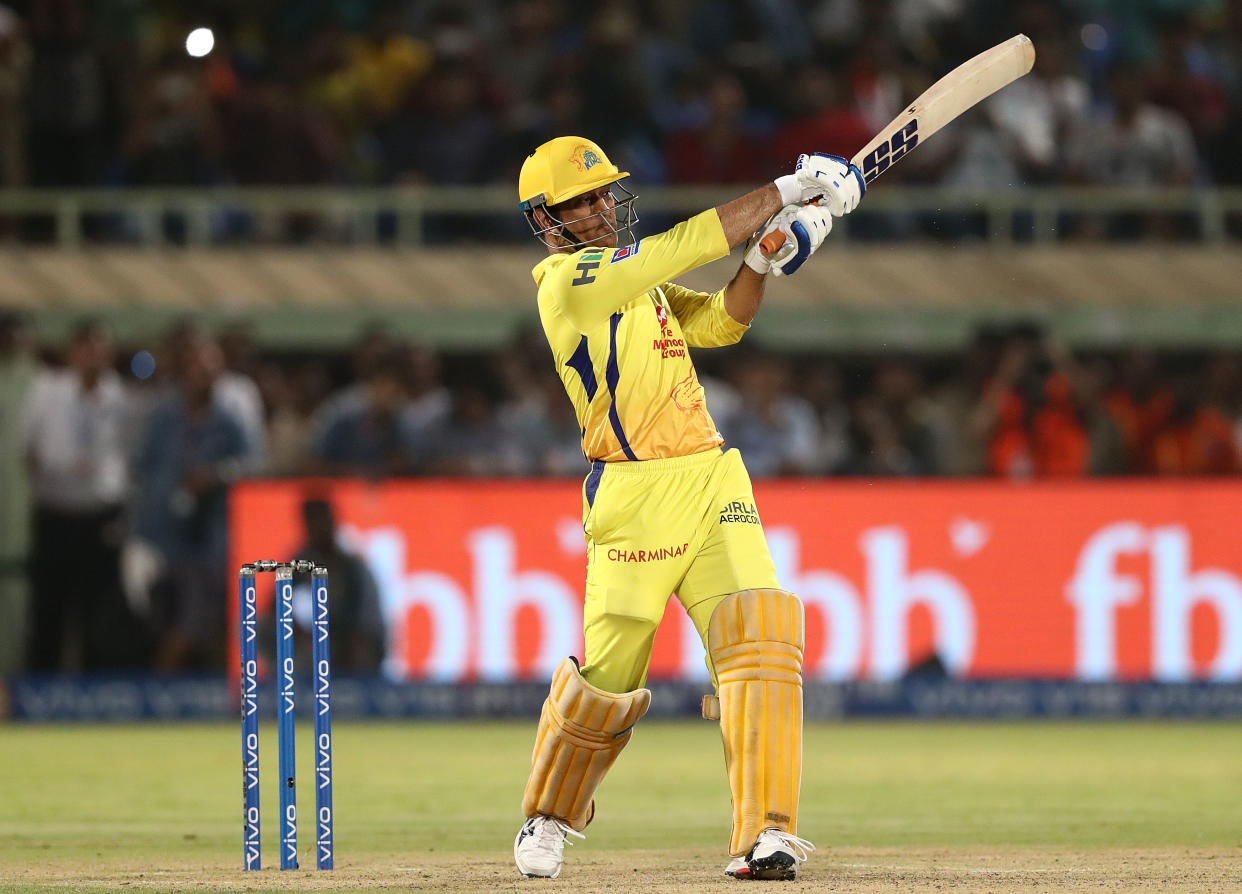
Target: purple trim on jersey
<point>580,363</point>
<point>612,375</point>
<point>592,481</point>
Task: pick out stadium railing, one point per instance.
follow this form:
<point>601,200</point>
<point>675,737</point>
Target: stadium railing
<point>415,216</point>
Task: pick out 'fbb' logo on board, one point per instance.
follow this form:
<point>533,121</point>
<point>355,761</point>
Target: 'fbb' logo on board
<point>878,160</point>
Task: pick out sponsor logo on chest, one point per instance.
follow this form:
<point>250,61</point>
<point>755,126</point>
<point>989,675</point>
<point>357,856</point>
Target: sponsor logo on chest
<point>667,344</point>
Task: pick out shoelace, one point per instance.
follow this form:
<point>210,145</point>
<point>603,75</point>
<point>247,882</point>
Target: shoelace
<point>548,825</point>
<point>799,847</point>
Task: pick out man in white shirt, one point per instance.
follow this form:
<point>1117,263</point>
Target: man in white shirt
<point>73,437</point>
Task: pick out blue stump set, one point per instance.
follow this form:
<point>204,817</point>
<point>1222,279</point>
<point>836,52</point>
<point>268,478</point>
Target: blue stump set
<point>285,712</point>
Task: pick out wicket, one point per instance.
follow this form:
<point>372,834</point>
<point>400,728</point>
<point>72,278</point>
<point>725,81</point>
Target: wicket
<point>321,684</point>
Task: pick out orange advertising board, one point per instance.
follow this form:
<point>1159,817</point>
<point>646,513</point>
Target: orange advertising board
<point>1098,580</point>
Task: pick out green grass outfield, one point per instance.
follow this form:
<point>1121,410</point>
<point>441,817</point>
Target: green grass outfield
<point>892,806</point>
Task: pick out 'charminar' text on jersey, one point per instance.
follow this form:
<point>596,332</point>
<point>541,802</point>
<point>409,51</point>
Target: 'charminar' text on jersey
<point>619,332</point>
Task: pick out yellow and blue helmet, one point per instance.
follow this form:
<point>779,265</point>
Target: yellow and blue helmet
<point>561,169</point>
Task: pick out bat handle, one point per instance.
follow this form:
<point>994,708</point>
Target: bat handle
<point>772,242</point>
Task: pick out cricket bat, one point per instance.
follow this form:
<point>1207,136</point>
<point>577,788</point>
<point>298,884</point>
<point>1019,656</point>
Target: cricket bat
<point>970,83</point>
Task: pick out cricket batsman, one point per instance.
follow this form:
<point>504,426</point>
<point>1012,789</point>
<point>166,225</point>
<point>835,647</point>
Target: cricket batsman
<point>666,507</point>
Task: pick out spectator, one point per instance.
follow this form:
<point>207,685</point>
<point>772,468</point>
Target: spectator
<point>822,388</point>
<point>473,440</point>
<point>377,72</point>
<point>65,97</point>
<point>775,430</point>
<point>290,397</point>
<point>1196,438</point>
<point>375,437</point>
<point>619,107</point>
<point>448,137</point>
<point>354,614</point>
<point>1028,414</point>
<point>545,429</point>
<point>526,52</point>
<point>1038,114</point>
<point>79,483</point>
<point>1140,405</point>
<point>1135,143</point>
<point>373,343</point>
<point>232,389</point>
<point>896,431</point>
<point>429,402</point>
<point>194,447</point>
<point>173,136</point>
<point>824,116</point>
<point>958,399</point>
<point>14,65</point>
<point>17,374</point>
<point>726,147</point>
<point>1104,435</point>
<point>1223,387</point>
<point>272,136</point>
<point>1183,79</point>
<point>237,391</point>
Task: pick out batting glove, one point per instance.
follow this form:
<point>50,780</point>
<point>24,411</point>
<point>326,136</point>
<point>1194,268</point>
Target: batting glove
<point>840,183</point>
<point>803,229</point>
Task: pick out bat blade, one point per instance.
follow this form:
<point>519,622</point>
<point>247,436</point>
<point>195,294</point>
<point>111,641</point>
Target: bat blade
<point>964,87</point>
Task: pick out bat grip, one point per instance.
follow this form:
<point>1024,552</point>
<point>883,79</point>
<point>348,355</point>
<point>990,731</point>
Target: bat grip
<point>772,242</point>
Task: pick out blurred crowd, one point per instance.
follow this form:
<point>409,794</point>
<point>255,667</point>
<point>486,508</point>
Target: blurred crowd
<point>120,460</point>
<point>1125,92</point>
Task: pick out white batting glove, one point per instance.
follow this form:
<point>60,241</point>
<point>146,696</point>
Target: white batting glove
<point>840,183</point>
<point>802,228</point>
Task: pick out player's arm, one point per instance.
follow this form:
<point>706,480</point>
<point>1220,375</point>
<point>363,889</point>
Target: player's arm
<point>829,179</point>
<point>703,317</point>
<point>831,184</point>
<point>596,282</point>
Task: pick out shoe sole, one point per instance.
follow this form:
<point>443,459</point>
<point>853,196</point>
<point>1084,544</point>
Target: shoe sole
<point>776,868</point>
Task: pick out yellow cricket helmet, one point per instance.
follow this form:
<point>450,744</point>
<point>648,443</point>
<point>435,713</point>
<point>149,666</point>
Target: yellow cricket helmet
<point>563,168</point>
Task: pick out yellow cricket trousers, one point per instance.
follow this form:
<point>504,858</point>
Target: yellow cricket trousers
<point>686,526</point>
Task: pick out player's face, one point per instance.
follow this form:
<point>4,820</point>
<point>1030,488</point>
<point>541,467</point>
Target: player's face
<point>591,217</point>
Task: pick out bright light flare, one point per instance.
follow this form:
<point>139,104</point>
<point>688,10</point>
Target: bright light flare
<point>199,42</point>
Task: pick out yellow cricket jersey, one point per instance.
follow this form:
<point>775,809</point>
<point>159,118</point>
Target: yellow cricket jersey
<point>619,332</point>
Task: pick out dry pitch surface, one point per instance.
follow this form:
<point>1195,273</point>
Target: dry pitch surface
<point>892,806</point>
<point>676,872</point>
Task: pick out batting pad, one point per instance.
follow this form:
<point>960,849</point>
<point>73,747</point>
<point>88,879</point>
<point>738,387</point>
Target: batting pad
<point>581,731</point>
<point>756,639</point>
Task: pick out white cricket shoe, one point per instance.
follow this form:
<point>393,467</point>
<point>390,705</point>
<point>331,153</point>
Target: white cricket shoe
<point>775,857</point>
<point>539,847</point>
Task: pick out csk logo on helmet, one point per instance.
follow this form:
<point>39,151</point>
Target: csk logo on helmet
<point>584,158</point>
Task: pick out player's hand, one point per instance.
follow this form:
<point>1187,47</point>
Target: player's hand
<point>840,183</point>
<point>802,228</point>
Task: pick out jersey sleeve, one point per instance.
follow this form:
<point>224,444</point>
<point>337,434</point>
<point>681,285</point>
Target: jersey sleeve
<point>594,283</point>
<point>704,321</point>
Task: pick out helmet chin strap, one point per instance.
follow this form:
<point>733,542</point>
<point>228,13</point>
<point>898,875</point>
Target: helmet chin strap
<point>565,233</point>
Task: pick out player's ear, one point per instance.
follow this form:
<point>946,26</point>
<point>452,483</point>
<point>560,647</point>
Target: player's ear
<point>542,218</point>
